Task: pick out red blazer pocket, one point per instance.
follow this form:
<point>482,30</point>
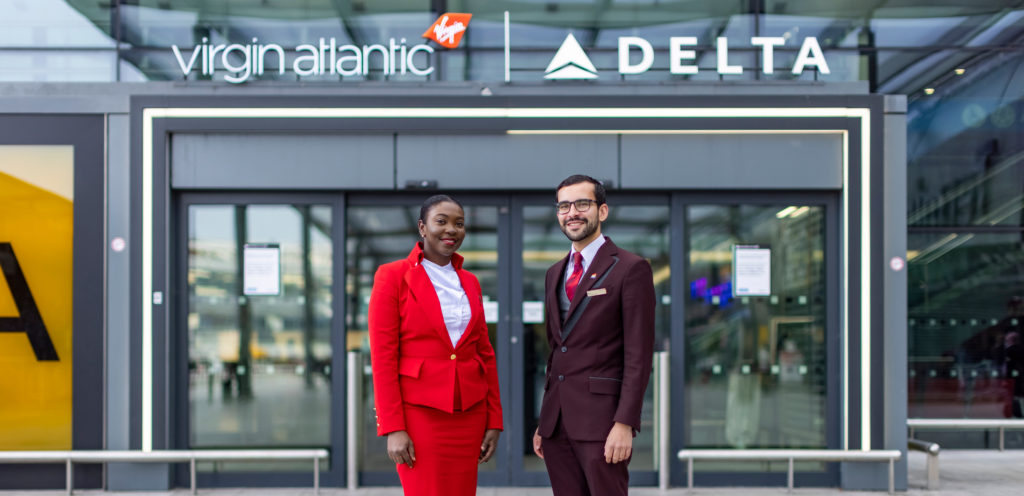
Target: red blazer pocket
<point>472,382</point>
<point>410,367</point>
<point>417,390</point>
<point>605,385</point>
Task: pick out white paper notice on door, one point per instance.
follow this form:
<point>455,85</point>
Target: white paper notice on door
<point>751,270</point>
<point>262,269</point>
<point>490,311</point>
<point>533,312</point>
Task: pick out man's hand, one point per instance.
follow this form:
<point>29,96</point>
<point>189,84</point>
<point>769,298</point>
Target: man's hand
<point>400,448</point>
<point>619,444</point>
<point>489,444</point>
<point>536,444</point>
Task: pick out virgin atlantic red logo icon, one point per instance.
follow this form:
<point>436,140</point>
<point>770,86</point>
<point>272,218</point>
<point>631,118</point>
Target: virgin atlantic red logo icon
<point>448,29</point>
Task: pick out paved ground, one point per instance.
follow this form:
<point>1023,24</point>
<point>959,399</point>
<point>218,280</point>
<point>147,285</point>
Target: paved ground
<point>964,473</point>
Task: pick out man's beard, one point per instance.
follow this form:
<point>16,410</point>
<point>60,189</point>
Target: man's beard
<point>589,228</point>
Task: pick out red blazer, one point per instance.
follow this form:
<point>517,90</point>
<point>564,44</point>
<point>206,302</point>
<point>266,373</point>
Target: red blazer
<point>601,355</point>
<point>412,355</point>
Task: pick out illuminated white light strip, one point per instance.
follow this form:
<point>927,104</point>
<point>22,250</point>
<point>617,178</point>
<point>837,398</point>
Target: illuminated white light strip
<point>844,298</point>
<point>865,269</point>
<point>861,113</point>
<point>147,276</point>
<point>508,54</point>
<point>507,113</point>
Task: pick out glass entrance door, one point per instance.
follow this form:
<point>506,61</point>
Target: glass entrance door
<point>256,328</point>
<point>382,229</point>
<point>760,327</point>
<point>747,305</point>
<point>637,224</point>
<point>510,243</point>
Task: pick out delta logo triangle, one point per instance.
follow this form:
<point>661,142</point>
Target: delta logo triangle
<point>570,62</point>
<point>448,29</point>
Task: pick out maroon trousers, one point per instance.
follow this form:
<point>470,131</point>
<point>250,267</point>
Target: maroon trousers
<point>578,468</point>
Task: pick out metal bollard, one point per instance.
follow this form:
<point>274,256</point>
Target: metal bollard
<point>316,475</point>
<point>355,380</point>
<point>664,400</point>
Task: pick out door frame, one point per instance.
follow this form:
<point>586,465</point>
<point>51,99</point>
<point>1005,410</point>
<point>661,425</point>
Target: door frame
<point>335,474</point>
<point>510,329</point>
<point>830,477</point>
<point>511,448</point>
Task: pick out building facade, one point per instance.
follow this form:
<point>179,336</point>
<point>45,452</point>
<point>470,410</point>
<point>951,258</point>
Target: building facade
<point>196,197</point>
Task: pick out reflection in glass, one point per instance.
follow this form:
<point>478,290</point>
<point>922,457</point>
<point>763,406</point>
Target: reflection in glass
<point>966,152</point>
<point>860,39</point>
<point>966,320</point>
<point>755,365</point>
<point>643,230</point>
<point>58,65</point>
<point>378,235</point>
<point>259,366</point>
<point>56,24</point>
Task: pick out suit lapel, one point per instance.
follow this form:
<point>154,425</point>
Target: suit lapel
<point>425,294</point>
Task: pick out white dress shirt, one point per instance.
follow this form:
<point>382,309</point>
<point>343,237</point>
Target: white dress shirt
<point>454,302</point>
<point>588,252</point>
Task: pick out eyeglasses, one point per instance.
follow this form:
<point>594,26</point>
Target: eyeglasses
<point>582,205</point>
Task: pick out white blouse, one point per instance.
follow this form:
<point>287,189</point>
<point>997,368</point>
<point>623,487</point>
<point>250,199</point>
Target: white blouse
<point>454,302</point>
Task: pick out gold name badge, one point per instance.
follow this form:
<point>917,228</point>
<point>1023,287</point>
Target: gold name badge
<point>597,292</point>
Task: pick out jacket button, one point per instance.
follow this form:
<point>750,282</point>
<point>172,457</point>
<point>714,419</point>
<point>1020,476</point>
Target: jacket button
<point>561,377</point>
<point>453,356</point>
<point>564,349</point>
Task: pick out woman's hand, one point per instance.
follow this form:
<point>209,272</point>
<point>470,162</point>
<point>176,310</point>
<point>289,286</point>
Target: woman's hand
<point>489,445</point>
<point>400,448</point>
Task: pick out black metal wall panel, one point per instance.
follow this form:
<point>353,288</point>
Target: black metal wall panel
<point>256,160</point>
<point>733,161</point>
<point>502,161</point>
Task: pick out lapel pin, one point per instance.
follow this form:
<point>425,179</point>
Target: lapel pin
<point>594,275</point>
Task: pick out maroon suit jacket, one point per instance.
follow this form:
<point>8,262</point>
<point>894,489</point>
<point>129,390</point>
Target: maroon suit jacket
<point>601,353</point>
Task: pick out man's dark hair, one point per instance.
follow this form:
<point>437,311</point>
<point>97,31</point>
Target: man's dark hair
<point>599,193</point>
<point>434,200</point>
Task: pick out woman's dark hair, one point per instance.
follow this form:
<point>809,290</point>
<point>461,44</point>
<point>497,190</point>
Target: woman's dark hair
<point>434,200</point>
<point>599,192</point>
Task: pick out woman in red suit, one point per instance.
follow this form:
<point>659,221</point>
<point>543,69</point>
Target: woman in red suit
<point>434,374</point>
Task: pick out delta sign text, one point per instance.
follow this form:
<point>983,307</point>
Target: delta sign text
<point>571,62</point>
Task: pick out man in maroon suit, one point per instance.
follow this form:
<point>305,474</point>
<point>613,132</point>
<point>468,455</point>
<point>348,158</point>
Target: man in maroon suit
<point>600,323</point>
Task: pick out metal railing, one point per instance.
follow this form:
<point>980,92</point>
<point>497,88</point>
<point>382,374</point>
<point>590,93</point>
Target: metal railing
<point>790,455</point>
<point>967,424</point>
<point>932,451</point>
<point>69,458</point>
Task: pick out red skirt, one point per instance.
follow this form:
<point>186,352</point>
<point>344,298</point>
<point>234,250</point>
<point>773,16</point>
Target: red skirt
<point>447,447</point>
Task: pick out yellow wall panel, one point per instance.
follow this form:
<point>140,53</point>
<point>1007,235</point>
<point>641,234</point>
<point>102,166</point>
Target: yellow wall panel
<point>37,222</point>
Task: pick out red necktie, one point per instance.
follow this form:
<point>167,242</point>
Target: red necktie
<point>574,278</point>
